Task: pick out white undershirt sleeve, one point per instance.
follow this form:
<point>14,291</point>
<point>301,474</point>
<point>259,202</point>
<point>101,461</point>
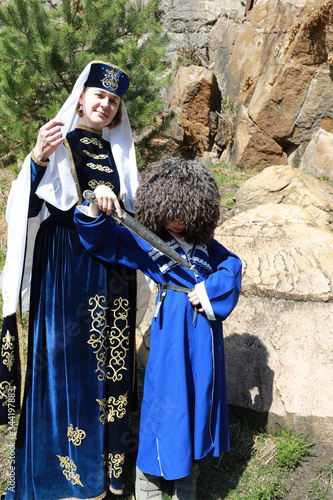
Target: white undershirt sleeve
<point>84,209</point>
<point>204,300</point>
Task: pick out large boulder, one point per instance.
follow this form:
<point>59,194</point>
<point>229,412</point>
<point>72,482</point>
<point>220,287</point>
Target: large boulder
<point>253,147</point>
<point>279,339</point>
<point>318,155</point>
<point>287,255</point>
<point>194,93</point>
<point>288,185</point>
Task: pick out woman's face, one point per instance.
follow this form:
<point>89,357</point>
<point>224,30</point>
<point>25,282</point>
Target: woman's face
<point>99,107</point>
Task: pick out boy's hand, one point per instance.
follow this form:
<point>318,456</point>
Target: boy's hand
<point>107,199</point>
<point>194,300</point>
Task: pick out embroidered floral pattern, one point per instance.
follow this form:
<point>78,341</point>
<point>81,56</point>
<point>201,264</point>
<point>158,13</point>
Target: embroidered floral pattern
<point>96,157</point>
<point>109,344</point>
<point>92,140</point>
<point>75,436</point>
<point>7,350</point>
<point>118,340</point>
<point>98,336</point>
<point>93,184</point>
<point>112,408</point>
<point>111,80</point>
<point>69,470</point>
<point>114,464</point>
<point>101,168</point>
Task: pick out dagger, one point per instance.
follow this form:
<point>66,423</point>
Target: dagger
<point>144,233</point>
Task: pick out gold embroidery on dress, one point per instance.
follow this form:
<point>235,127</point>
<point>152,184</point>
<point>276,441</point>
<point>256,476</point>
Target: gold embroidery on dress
<point>92,140</point>
<point>112,408</point>
<point>98,337</point>
<point>75,436</point>
<point>93,184</point>
<point>90,129</point>
<point>114,464</point>
<point>73,171</point>
<point>7,350</point>
<point>117,336</point>
<point>95,156</point>
<point>118,340</point>
<point>103,495</point>
<point>101,168</point>
<point>20,340</point>
<point>4,389</point>
<point>70,469</point>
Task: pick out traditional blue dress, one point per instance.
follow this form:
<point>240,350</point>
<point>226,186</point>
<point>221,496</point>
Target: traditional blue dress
<point>73,431</point>
<point>184,414</point>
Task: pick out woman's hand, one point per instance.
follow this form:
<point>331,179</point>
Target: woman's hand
<point>107,199</point>
<point>194,300</point>
<point>49,138</point>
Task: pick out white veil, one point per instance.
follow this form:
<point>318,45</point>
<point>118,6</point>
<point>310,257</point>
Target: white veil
<point>57,188</point>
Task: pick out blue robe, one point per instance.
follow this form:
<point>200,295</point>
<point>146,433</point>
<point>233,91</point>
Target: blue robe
<point>73,433</point>
<point>184,413</point>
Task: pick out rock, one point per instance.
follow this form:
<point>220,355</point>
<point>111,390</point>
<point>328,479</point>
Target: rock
<point>253,148</point>
<point>318,156</point>
<point>274,67</point>
<point>188,22</point>
<point>316,110</point>
<point>279,340</point>
<point>288,185</point>
<point>275,105</point>
<point>285,254</point>
<point>280,82</point>
<point>279,364</point>
<point>193,95</point>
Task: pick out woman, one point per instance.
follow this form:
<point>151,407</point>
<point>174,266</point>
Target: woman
<point>73,431</point>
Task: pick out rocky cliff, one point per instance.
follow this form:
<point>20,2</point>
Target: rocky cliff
<point>273,68</point>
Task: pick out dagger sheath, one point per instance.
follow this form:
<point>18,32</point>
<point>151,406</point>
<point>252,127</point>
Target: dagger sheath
<point>144,233</point>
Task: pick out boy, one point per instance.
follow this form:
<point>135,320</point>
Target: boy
<point>184,413</point>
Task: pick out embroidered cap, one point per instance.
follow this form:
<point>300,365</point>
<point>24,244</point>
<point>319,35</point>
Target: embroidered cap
<point>108,77</point>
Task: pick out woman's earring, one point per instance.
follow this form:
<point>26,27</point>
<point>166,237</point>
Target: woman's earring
<point>80,107</point>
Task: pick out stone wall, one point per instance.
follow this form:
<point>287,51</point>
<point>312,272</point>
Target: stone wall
<point>188,22</point>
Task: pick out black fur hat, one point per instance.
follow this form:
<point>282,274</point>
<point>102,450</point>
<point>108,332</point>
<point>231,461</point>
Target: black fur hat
<point>174,188</point>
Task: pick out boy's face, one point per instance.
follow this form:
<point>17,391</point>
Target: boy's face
<point>176,226</point>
